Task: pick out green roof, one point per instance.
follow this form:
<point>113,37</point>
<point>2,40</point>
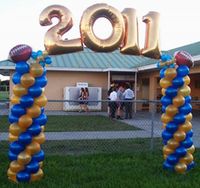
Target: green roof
<point>88,59</point>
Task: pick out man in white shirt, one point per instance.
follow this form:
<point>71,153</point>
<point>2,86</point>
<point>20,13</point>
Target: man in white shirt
<point>128,96</point>
<point>113,104</point>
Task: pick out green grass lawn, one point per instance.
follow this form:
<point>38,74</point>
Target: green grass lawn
<point>134,170</point>
<point>77,123</point>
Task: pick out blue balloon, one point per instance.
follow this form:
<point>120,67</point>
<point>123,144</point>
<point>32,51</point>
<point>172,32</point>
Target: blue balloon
<point>178,82</point>
<point>12,156</point>
<point>16,78</point>
<point>185,109</point>
<point>189,134</point>
<point>32,167</point>
<point>44,71</point>
<point>17,110</point>
<point>42,63</point>
<point>23,176</point>
<point>38,156</point>
<point>22,67</point>
<point>26,101</point>
<point>39,53</point>
<point>180,151</point>
<point>187,143</point>
<point>172,159</point>
<point>34,55</point>
<point>188,99</point>
<point>171,127</point>
<point>41,120</point>
<point>166,135</point>
<point>163,109</point>
<point>34,129</point>
<point>165,57</point>
<point>16,147</point>
<point>182,70</point>
<point>191,165</point>
<point>162,73</point>
<point>12,118</point>
<point>165,100</point>
<point>41,81</point>
<point>168,166</point>
<point>179,118</point>
<point>42,110</point>
<point>34,91</point>
<point>25,138</point>
<point>171,92</point>
<point>48,60</point>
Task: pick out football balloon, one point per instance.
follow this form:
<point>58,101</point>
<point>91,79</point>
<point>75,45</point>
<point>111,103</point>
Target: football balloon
<point>21,52</point>
<point>183,58</point>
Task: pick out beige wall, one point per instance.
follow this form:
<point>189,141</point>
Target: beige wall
<point>57,80</point>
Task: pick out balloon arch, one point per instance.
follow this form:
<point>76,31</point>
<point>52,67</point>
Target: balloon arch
<point>27,115</point>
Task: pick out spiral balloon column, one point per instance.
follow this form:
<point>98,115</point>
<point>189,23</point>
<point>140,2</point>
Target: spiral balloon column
<point>177,134</point>
<point>27,116</point>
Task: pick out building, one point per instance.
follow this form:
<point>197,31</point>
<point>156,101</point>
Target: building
<point>102,69</point>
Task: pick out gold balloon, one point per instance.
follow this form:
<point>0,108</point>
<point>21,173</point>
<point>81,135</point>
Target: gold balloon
<point>179,136</point>
<point>43,128</point>
<point>180,168</point>
<point>185,91</point>
<point>187,159</point>
<point>41,100</point>
<point>191,150</point>
<point>164,126</point>
<point>41,164</point>
<point>37,176</point>
<point>36,70</point>
<point>171,110</point>
<point>34,111</point>
<point>53,38</point>
<point>163,91</point>
<point>152,40</point>
<point>187,126</point>
<point>19,90</point>
<point>12,138</point>
<point>188,117</point>
<point>172,144</point>
<point>39,138</point>
<point>25,121</point>
<point>15,130</point>
<point>186,80</point>
<point>33,148</point>
<point>131,43</point>
<point>12,175</point>
<point>23,158</point>
<point>27,80</point>
<point>14,99</point>
<point>90,15</point>
<point>16,167</point>
<point>178,101</point>
<point>164,83</point>
<point>167,150</point>
<point>166,118</point>
<point>170,73</point>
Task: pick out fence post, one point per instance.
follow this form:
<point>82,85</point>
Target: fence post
<point>153,111</point>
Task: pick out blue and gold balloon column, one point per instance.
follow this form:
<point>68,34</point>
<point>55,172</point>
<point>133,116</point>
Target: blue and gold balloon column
<point>27,118</point>
<point>177,134</point>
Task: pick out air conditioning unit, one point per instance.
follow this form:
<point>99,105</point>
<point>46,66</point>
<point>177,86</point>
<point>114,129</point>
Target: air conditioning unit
<point>72,94</point>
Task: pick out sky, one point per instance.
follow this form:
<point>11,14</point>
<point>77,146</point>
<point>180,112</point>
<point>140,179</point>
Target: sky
<point>19,19</point>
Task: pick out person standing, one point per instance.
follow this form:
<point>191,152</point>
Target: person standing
<point>113,104</point>
<point>120,98</point>
<point>86,98</point>
<point>81,98</point>
<point>128,97</point>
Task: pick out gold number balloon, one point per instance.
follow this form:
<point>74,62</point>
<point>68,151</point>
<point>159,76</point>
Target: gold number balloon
<point>53,39</point>
<point>131,42</point>
<point>88,37</point>
<point>152,46</point>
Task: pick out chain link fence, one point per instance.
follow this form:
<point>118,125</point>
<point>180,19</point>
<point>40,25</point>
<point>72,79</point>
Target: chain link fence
<point>85,127</point>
